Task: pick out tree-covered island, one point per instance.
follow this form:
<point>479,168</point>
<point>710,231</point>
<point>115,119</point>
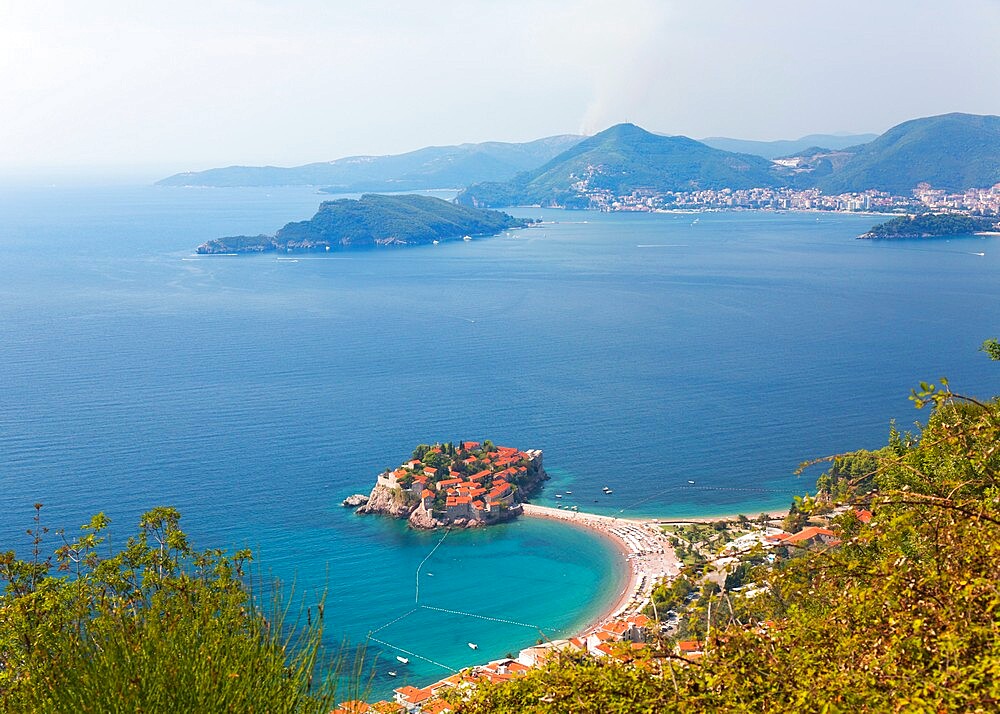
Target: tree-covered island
<point>373,221</point>
<point>930,225</point>
<point>470,484</point>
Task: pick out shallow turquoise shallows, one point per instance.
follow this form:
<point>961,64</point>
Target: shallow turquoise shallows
<point>689,366</point>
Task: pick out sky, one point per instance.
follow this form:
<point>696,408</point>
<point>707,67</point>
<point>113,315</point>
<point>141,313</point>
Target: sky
<point>179,85</point>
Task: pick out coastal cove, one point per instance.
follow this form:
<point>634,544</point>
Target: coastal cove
<point>642,352</point>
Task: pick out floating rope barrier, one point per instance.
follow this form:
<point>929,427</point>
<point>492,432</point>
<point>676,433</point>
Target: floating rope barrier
<point>480,617</point>
<point>393,622</point>
<point>416,595</point>
<point>413,654</point>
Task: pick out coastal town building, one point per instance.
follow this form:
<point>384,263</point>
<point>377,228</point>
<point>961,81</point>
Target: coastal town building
<point>464,484</point>
<point>979,201</point>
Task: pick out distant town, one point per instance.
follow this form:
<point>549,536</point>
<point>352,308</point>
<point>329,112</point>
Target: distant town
<point>976,201</point>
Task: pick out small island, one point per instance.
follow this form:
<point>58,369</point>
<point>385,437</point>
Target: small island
<point>930,225</point>
<point>470,484</point>
<point>373,221</point>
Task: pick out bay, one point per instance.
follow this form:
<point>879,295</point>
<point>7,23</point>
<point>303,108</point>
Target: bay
<point>639,351</point>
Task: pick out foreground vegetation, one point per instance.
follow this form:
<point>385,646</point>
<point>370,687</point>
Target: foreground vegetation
<point>154,627</point>
<point>901,616</point>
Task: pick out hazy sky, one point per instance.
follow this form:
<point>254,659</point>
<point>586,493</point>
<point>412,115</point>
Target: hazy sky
<point>188,85</point>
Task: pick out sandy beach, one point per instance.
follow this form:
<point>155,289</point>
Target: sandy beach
<point>647,554</point>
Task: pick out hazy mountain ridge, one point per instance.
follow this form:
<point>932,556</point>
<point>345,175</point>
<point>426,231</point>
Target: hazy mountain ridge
<point>951,151</point>
<point>427,168</point>
<point>787,147</point>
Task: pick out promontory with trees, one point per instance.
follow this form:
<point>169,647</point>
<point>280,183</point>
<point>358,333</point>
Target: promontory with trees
<point>373,221</point>
<point>931,225</point>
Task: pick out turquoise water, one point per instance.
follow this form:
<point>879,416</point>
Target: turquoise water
<point>639,351</point>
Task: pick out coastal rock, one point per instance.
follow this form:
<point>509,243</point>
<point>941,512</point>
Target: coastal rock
<point>423,520</point>
<point>389,502</point>
<point>358,499</point>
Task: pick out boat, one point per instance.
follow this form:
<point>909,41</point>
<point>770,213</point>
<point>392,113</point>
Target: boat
<point>608,492</point>
<point>558,495</point>
<point>690,481</point>
<point>473,646</point>
<point>436,242</point>
<point>392,673</point>
<point>402,659</point>
<point>569,493</point>
<point>466,238</point>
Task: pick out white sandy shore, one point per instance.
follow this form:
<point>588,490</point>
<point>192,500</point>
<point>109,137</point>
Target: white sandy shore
<point>647,552</point>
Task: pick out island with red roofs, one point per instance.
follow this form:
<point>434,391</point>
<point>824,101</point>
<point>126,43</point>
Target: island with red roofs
<point>468,484</point>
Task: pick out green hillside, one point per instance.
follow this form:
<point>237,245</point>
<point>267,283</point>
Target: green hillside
<point>371,221</point>
<point>623,159</point>
<point>900,615</point>
<point>430,167</point>
<point>951,151</point>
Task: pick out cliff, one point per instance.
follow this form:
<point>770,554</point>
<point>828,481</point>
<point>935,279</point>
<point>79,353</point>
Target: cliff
<point>389,502</point>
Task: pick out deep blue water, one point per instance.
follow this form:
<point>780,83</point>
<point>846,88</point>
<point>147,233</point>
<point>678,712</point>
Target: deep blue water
<point>639,351</point>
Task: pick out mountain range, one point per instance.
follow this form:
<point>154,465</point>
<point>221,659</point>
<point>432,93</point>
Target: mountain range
<point>951,151</point>
<point>427,168</point>
<point>787,147</point>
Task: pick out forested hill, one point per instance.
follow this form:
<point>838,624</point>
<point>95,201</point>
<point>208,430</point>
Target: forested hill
<point>930,225</point>
<point>623,159</point>
<point>427,168</point>
<point>371,221</point>
<point>953,152</point>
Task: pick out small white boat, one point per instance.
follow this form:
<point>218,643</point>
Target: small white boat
<point>402,659</point>
<point>436,242</point>
<point>558,495</point>
<point>608,492</point>
<point>690,481</point>
<point>473,646</point>
<point>392,673</point>
<point>466,238</point>
<point>569,493</point>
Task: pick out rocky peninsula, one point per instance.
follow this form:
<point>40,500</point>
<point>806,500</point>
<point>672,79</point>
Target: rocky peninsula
<point>373,221</point>
<point>469,484</point>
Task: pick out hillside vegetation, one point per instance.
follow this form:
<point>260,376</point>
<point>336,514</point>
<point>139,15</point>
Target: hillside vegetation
<point>901,616</point>
<point>951,152</point>
<point>156,626</point>
<point>373,220</point>
<point>930,225</point>
<point>622,159</point>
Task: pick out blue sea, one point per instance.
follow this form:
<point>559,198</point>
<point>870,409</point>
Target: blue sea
<point>640,351</point>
